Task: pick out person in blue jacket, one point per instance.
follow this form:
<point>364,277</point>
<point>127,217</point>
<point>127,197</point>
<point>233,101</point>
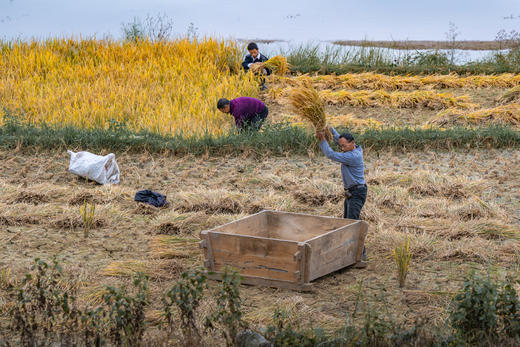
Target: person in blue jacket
<point>352,173</point>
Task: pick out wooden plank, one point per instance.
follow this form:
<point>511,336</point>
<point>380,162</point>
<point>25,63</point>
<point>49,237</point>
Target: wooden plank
<point>335,250</point>
<point>301,227</point>
<point>208,252</point>
<point>253,256</point>
<point>361,240</point>
<point>254,225</point>
<point>265,282</point>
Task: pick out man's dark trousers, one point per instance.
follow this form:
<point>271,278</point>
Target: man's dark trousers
<point>256,122</point>
<point>353,206</point>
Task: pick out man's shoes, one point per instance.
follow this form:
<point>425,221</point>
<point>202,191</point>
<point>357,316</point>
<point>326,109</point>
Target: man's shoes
<point>360,265</point>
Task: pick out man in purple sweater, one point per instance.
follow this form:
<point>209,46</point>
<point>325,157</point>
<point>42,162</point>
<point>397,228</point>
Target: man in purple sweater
<point>249,113</point>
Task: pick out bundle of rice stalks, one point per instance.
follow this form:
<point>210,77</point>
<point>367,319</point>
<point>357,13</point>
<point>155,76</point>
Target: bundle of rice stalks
<point>210,201</point>
<point>169,247</point>
<point>318,192</point>
<point>372,80</point>
<point>504,115</point>
<point>277,64</point>
<point>512,95</point>
<point>472,209</point>
<point>126,268</point>
<point>257,68</point>
<point>377,98</point>
<point>154,269</point>
<point>307,103</point>
<point>493,229</point>
<point>29,197</point>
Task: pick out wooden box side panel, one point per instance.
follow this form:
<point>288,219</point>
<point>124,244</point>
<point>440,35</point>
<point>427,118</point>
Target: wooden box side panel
<point>301,227</point>
<point>255,225</point>
<point>337,249</point>
<point>258,257</point>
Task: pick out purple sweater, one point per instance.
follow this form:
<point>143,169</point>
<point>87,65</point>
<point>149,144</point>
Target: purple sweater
<point>245,108</point>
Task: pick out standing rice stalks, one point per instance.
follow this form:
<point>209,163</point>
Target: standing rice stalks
<point>87,211</point>
<point>307,103</point>
<point>403,258</point>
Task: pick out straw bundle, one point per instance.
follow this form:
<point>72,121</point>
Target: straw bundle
<point>278,64</point>
<point>307,103</point>
<point>512,95</point>
<point>505,115</point>
<point>257,68</point>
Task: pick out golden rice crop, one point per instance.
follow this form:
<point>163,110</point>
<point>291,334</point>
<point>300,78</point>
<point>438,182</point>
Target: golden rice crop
<point>420,98</point>
<point>166,87</point>
<point>505,115</point>
<point>370,80</point>
<point>307,103</point>
<point>278,64</point>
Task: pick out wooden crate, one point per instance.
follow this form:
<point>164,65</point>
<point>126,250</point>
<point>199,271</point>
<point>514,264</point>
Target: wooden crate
<point>281,249</point>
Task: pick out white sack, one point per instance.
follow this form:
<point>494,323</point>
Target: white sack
<point>103,170</point>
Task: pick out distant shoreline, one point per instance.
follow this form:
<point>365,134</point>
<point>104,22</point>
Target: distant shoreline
<point>470,45</point>
<point>425,44</point>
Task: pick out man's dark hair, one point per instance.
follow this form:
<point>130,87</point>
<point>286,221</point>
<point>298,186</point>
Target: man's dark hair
<point>222,102</point>
<point>347,136</point>
<point>252,46</point>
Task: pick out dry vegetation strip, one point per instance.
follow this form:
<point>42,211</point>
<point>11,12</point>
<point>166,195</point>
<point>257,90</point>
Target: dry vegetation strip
<point>375,81</point>
<point>508,114</point>
<point>377,98</point>
<point>460,210</point>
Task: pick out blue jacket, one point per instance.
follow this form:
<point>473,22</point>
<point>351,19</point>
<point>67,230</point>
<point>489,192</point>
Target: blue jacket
<point>250,60</point>
<point>352,165</point>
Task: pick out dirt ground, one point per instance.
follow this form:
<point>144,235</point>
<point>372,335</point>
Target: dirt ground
<point>461,211</point>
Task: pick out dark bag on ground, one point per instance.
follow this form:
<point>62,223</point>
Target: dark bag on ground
<point>152,198</point>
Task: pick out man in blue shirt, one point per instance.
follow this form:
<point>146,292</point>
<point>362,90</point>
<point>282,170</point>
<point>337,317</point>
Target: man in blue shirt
<point>352,171</point>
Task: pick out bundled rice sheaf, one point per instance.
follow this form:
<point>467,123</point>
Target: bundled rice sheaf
<point>512,95</point>
<point>504,115</point>
<point>277,64</point>
<point>306,102</point>
<point>370,80</point>
<point>424,98</point>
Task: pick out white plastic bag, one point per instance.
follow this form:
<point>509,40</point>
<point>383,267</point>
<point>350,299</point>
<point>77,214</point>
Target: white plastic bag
<point>103,170</point>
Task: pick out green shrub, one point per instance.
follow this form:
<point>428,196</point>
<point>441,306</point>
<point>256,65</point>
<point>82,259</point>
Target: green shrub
<point>283,334</point>
<point>126,312</point>
<point>227,317</point>
<point>508,310</point>
<point>186,295</point>
<point>486,309</point>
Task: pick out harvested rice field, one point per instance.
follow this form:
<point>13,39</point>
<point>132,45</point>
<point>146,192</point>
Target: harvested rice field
<point>461,211</point>
<point>368,100</point>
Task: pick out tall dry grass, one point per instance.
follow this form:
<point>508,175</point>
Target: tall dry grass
<point>166,87</point>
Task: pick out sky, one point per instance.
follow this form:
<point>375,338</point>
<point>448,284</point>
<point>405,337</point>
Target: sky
<point>269,19</point>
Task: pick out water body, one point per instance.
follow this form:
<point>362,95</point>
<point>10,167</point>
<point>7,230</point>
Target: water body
<point>292,21</point>
<point>461,56</point>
